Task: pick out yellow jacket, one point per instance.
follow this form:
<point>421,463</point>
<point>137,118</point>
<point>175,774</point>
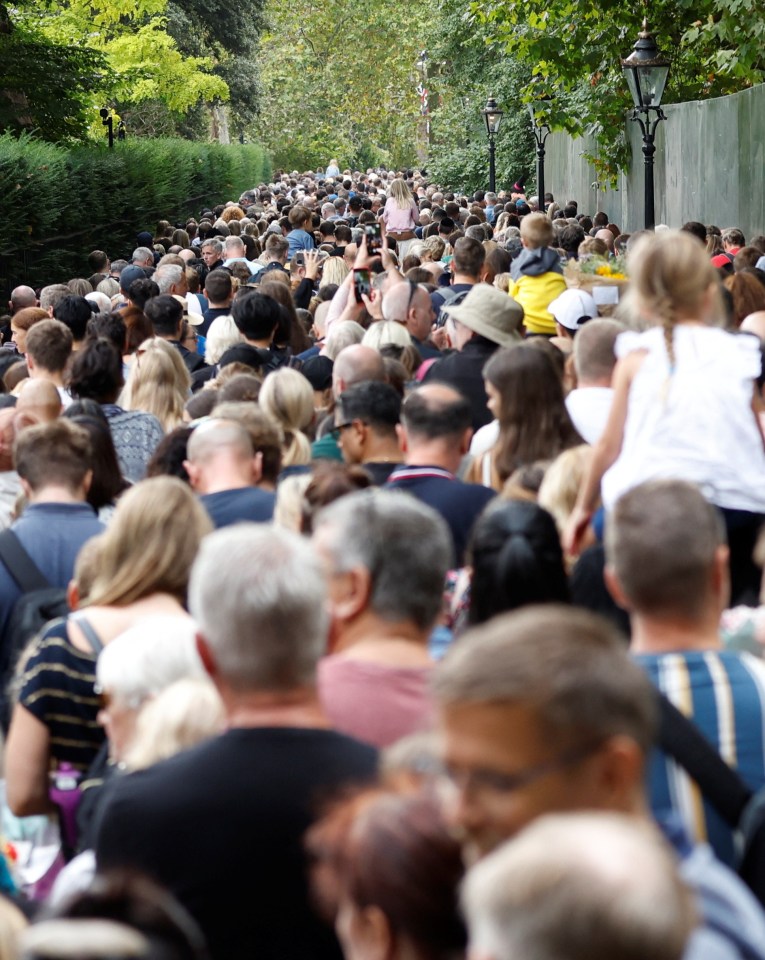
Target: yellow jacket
<point>535,294</point>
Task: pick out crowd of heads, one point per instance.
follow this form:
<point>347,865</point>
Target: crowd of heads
<point>394,424</point>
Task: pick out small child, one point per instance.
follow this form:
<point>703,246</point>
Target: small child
<point>537,275</point>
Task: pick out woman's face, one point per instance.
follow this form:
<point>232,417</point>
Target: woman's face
<point>494,402</point>
<point>19,337</point>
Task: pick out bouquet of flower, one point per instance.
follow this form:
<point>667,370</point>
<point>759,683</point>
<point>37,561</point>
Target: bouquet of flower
<point>606,280</point>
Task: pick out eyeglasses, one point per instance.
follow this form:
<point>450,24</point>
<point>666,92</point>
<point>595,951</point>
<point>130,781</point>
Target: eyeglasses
<point>495,782</point>
<point>339,428</point>
<point>412,289</point>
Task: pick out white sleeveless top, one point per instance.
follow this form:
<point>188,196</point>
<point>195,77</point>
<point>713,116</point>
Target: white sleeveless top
<point>696,424</point>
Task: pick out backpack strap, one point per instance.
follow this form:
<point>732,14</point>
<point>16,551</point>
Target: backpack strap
<point>20,565</point>
<point>90,634</point>
<point>681,739</point>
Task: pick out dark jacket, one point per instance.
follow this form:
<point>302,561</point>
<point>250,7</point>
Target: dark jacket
<point>464,372</point>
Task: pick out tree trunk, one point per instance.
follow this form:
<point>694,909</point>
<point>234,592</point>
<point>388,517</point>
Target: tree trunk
<point>219,123</point>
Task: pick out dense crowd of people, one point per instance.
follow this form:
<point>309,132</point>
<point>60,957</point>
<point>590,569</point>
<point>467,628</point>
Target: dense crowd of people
<point>380,577</point>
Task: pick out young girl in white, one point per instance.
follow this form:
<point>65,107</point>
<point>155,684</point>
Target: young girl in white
<point>684,400</point>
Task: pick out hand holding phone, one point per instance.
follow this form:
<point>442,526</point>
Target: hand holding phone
<point>362,283</point>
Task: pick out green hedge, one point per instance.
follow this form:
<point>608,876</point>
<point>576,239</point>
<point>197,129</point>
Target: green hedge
<point>61,203</point>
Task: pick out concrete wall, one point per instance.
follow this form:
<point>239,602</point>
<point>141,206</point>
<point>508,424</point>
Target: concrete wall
<point>709,166</point>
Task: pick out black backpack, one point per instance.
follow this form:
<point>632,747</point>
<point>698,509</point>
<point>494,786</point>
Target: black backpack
<point>38,604</point>
<point>741,808</point>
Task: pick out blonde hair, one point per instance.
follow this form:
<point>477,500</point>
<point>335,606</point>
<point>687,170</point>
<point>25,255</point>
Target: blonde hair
<point>287,397</point>
<point>401,194</point>
<point>87,565</point>
<point>184,714</point>
<point>158,383</point>
<point>436,246</point>
<point>502,282</point>
<point>288,510</point>
<point>150,544</point>
<point>561,483</point>
<point>335,271</point>
<point>383,332</point>
<point>671,275</point>
<point>536,230</point>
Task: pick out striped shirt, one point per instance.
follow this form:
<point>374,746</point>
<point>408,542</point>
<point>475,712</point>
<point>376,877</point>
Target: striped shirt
<point>58,687</point>
<point>724,694</point>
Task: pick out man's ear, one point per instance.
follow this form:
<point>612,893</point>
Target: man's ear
<point>615,588</point>
<point>401,434</point>
<point>351,594</point>
<point>467,436</point>
<point>206,656</point>
<point>257,467</point>
<point>193,471</point>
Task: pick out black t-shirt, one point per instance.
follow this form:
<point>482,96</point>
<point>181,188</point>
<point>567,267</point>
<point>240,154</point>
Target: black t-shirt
<point>221,826</point>
<point>379,471</point>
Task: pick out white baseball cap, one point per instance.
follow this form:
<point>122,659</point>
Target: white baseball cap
<point>573,308</point>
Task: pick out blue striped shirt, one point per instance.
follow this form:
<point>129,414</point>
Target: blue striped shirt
<point>724,694</point>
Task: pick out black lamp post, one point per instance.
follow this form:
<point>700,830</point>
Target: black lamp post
<point>541,131</point>
<point>492,116</point>
<point>646,72</point>
<point>108,122</point>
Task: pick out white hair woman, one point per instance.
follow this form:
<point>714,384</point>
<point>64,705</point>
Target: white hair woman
<point>222,334</point>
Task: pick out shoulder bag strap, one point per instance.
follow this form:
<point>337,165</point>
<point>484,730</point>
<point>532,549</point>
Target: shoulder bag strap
<point>681,739</point>
<point>90,634</point>
<point>19,564</point>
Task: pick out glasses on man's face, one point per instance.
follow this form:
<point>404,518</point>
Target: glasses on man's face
<point>339,427</point>
<point>496,783</point>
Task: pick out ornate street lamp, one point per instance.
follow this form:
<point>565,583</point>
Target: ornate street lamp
<point>541,131</point>
<point>646,71</point>
<point>492,116</point>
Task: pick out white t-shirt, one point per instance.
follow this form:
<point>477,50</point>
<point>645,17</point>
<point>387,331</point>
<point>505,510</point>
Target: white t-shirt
<point>694,423</point>
<point>589,408</point>
<point>484,438</point>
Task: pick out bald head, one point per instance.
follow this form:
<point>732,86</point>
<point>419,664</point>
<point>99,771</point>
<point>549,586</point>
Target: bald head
<point>396,303</point>
<point>607,237</point>
<point>40,400</point>
<point>214,436</point>
<point>22,297</point>
<point>356,364</point>
<point>220,456</point>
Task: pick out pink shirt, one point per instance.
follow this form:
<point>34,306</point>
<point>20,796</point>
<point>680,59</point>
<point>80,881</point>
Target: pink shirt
<point>374,702</point>
<point>398,220</point>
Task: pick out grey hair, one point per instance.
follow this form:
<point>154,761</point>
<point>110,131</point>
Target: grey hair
<point>596,885</point>
<point>258,595</point>
<point>403,543</point>
<point>231,242</point>
<point>167,276</point>
<point>342,335</point>
<point>142,253</point>
<point>145,659</point>
<point>213,244</point>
